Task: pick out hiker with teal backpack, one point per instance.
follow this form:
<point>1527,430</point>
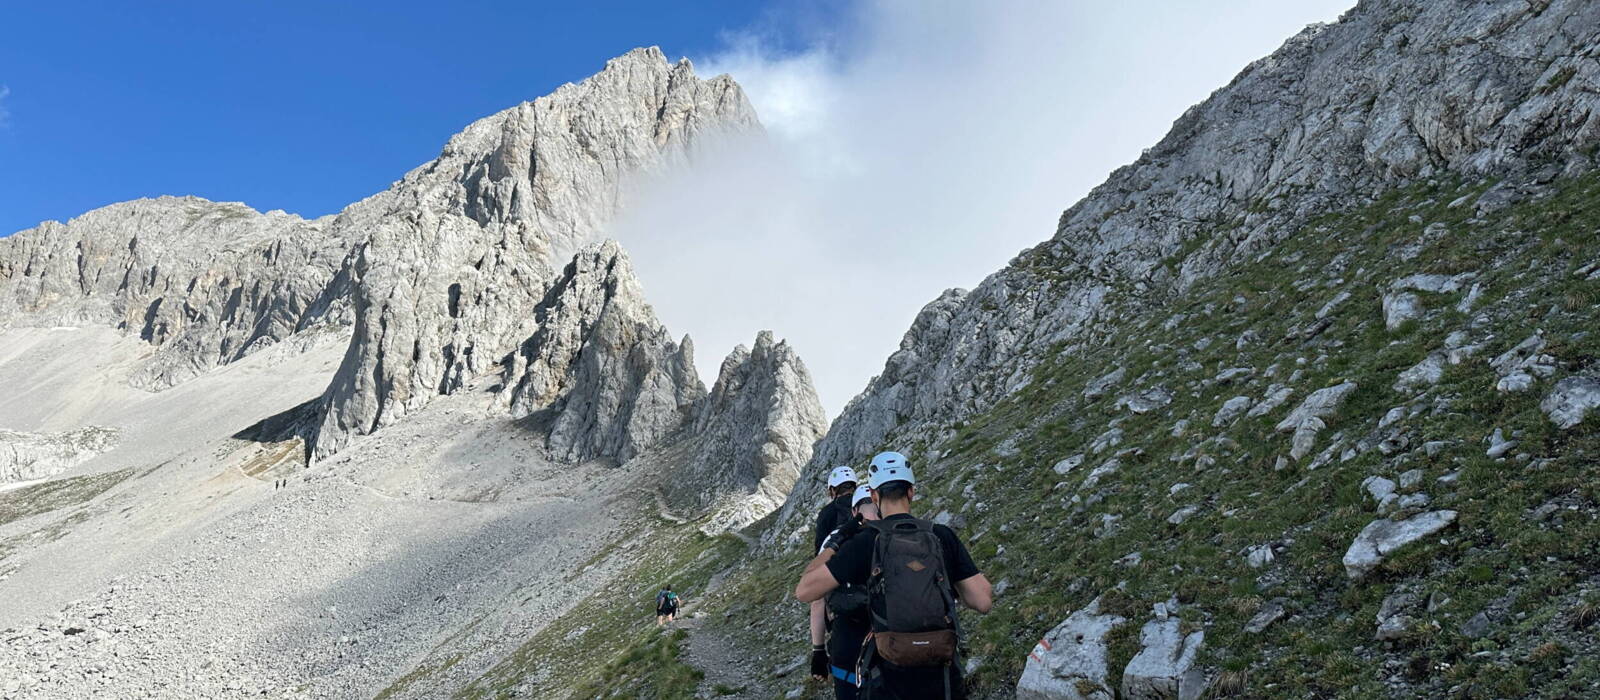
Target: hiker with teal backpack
<point>666,605</point>
<point>848,619</point>
<point>914,572</point>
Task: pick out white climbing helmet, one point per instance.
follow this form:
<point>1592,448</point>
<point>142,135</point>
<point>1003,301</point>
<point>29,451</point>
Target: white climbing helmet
<point>887,467</point>
<point>863,493</point>
<point>841,475</point>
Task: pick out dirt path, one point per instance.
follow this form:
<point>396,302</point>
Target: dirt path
<point>719,659</point>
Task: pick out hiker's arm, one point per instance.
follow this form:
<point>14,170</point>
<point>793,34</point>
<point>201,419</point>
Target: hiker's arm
<point>819,622</point>
<point>817,580</point>
<point>976,593</point>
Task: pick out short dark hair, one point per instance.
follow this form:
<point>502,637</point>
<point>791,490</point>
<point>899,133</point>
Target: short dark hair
<point>894,491</point>
<point>667,587</point>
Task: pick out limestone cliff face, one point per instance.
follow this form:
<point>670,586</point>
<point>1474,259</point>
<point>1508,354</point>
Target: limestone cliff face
<point>602,379</point>
<point>601,375</point>
<point>752,434</point>
<point>1395,91</point>
<point>205,282</point>
<point>459,250</point>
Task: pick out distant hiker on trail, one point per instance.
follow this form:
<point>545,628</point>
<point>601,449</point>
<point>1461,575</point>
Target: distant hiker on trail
<point>666,605</point>
<point>912,650</point>
<point>841,484</point>
<point>848,618</point>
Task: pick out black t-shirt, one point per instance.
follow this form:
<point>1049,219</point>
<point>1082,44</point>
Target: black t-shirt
<point>853,564</point>
<point>846,632</point>
<point>832,515</point>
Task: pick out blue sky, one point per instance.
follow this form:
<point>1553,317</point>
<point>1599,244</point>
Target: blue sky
<point>915,145</point>
<point>303,106</point>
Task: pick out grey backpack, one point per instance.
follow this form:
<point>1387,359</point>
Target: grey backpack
<point>914,620</point>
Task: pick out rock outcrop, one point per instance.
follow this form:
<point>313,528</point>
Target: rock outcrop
<point>487,261</point>
<point>602,379</point>
<point>1164,668</point>
<point>752,433</point>
<point>601,376</point>
<point>1380,538</point>
<point>1072,661</point>
<point>26,456</point>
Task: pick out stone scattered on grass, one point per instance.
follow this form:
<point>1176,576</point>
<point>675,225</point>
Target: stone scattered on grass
<point>1269,613</point>
<point>1571,401</point>
<point>1165,665</point>
<point>1380,538</point>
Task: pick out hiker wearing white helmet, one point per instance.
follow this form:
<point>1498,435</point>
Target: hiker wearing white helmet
<point>848,618</point>
<point>841,483</point>
<point>924,568</point>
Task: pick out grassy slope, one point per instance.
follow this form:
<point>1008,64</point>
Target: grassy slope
<point>1036,530</point>
<point>1030,534</point>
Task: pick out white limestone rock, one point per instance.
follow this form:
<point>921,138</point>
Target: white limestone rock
<point>1426,373</point>
<point>1571,401</point>
<point>601,377</point>
<point>1164,668</point>
<point>1380,538</point>
<point>1399,307</point>
<point>1230,411</point>
<point>1321,404</point>
<point>1071,661</point>
<point>751,436</point>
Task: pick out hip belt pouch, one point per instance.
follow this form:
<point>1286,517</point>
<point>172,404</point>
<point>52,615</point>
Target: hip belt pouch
<point>915,649</point>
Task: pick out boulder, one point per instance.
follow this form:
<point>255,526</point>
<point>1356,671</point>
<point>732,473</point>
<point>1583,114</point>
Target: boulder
<point>1423,374</point>
<point>1305,438</point>
<point>1380,538</point>
<point>1571,401</point>
<point>1146,401</point>
<point>1164,668</point>
<point>1393,620</point>
<point>1230,411</point>
<point>1275,396</point>
<point>1268,614</point>
<point>1322,403</point>
<point>1399,307</point>
<point>1101,386</point>
<point>1067,465</point>
<point>1071,661</point>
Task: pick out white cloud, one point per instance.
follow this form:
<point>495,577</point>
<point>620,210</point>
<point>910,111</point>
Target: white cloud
<point>920,152</point>
<point>5,116</point>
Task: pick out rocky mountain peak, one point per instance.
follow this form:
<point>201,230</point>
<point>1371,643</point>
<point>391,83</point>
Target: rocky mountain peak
<point>461,247</point>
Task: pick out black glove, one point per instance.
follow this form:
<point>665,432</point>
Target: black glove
<point>848,529</point>
<point>819,661</point>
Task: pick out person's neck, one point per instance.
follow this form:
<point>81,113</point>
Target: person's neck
<point>887,509</point>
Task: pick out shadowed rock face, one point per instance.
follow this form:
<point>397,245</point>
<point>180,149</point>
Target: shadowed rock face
<point>1396,91</point>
